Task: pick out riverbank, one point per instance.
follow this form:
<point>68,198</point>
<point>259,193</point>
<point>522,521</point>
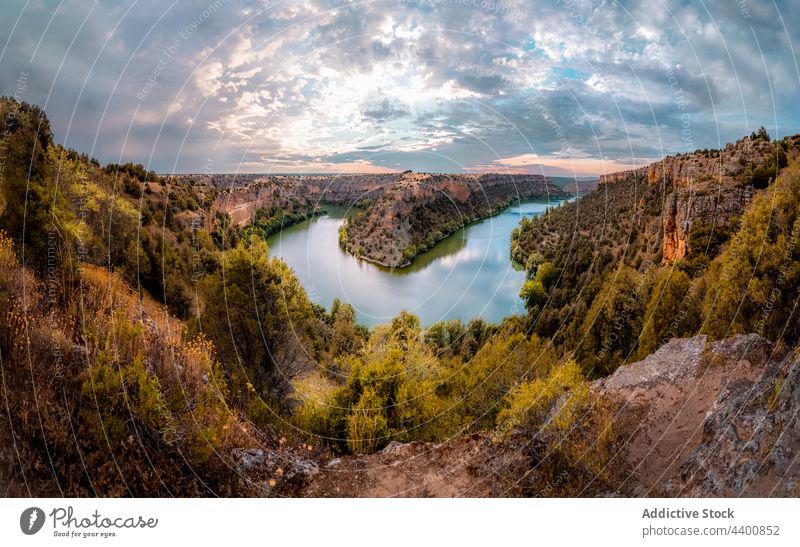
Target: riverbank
<point>268,222</point>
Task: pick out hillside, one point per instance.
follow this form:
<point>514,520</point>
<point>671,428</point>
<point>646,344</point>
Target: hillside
<point>679,212</point>
<point>694,419</point>
<point>577,186</point>
<point>419,210</point>
<point>242,196</point>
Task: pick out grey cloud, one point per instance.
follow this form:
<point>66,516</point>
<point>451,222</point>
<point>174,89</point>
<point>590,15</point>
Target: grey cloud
<point>385,109</point>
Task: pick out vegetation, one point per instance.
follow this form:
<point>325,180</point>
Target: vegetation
<point>434,206</point>
<point>753,285</point>
<point>600,289</point>
<point>270,221</point>
<point>672,312</point>
<point>136,313</point>
<point>151,409</point>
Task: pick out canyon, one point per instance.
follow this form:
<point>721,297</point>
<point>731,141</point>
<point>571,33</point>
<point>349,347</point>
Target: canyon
<point>421,209</point>
<point>395,216</point>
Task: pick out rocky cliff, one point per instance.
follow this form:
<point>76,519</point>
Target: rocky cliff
<point>702,419</point>
<point>241,196</point>
<point>708,187</point>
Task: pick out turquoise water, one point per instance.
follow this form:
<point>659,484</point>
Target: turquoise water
<point>468,274</point>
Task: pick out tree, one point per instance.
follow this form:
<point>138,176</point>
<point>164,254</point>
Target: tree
<point>406,327</point>
<point>754,285</point>
<point>34,212</point>
<point>389,394</point>
<point>260,320</point>
<point>346,336</point>
<point>609,332</point>
<point>534,295</point>
<point>672,312</point>
<point>547,274</point>
<point>502,363</point>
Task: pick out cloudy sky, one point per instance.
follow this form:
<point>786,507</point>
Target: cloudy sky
<point>560,86</point>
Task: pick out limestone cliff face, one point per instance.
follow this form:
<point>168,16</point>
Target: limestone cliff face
<point>242,201</point>
<point>714,205</point>
<point>241,196</point>
<point>686,169</point>
<point>705,188</point>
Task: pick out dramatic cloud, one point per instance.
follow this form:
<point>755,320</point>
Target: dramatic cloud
<point>554,86</point>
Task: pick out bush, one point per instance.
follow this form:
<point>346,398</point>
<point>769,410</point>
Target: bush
<point>609,332</point>
<point>534,295</point>
<point>528,405</point>
<point>672,312</point>
<point>149,408</point>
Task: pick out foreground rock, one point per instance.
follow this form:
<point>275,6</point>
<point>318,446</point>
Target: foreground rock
<point>475,466</point>
<point>700,419</point>
<point>693,419</point>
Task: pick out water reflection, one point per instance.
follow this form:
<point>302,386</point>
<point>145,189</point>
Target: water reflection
<point>466,275</point>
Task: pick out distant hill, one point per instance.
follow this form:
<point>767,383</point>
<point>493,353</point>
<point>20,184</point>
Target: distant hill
<point>577,186</point>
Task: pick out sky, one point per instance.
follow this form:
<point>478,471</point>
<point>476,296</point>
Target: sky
<point>559,87</point>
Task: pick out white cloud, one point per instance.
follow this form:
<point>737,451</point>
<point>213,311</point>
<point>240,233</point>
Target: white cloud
<point>208,78</point>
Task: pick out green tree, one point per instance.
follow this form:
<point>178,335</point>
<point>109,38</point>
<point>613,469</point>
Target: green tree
<point>497,367</point>
<point>609,333</point>
<point>547,274</point>
<point>672,312</point>
<point>534,295</point>
<point>260,320</point>
<point>346,335</point>
<point>32,208</point>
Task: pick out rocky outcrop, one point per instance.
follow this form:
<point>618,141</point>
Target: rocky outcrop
<point>693,419</point>
<point>281,471</point>
<point>702,419</point>
<point>714,205</point>
<point>241,196</point>
<point>750,438</point>
<point>419,210</point>
<point>686,169</point>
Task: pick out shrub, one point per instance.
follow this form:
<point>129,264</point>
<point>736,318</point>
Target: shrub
<point>672,312</point>
<point>528,404</point>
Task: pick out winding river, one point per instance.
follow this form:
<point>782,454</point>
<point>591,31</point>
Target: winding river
<point>466,275</point>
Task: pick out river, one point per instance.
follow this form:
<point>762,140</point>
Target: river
<point>468,274</point>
